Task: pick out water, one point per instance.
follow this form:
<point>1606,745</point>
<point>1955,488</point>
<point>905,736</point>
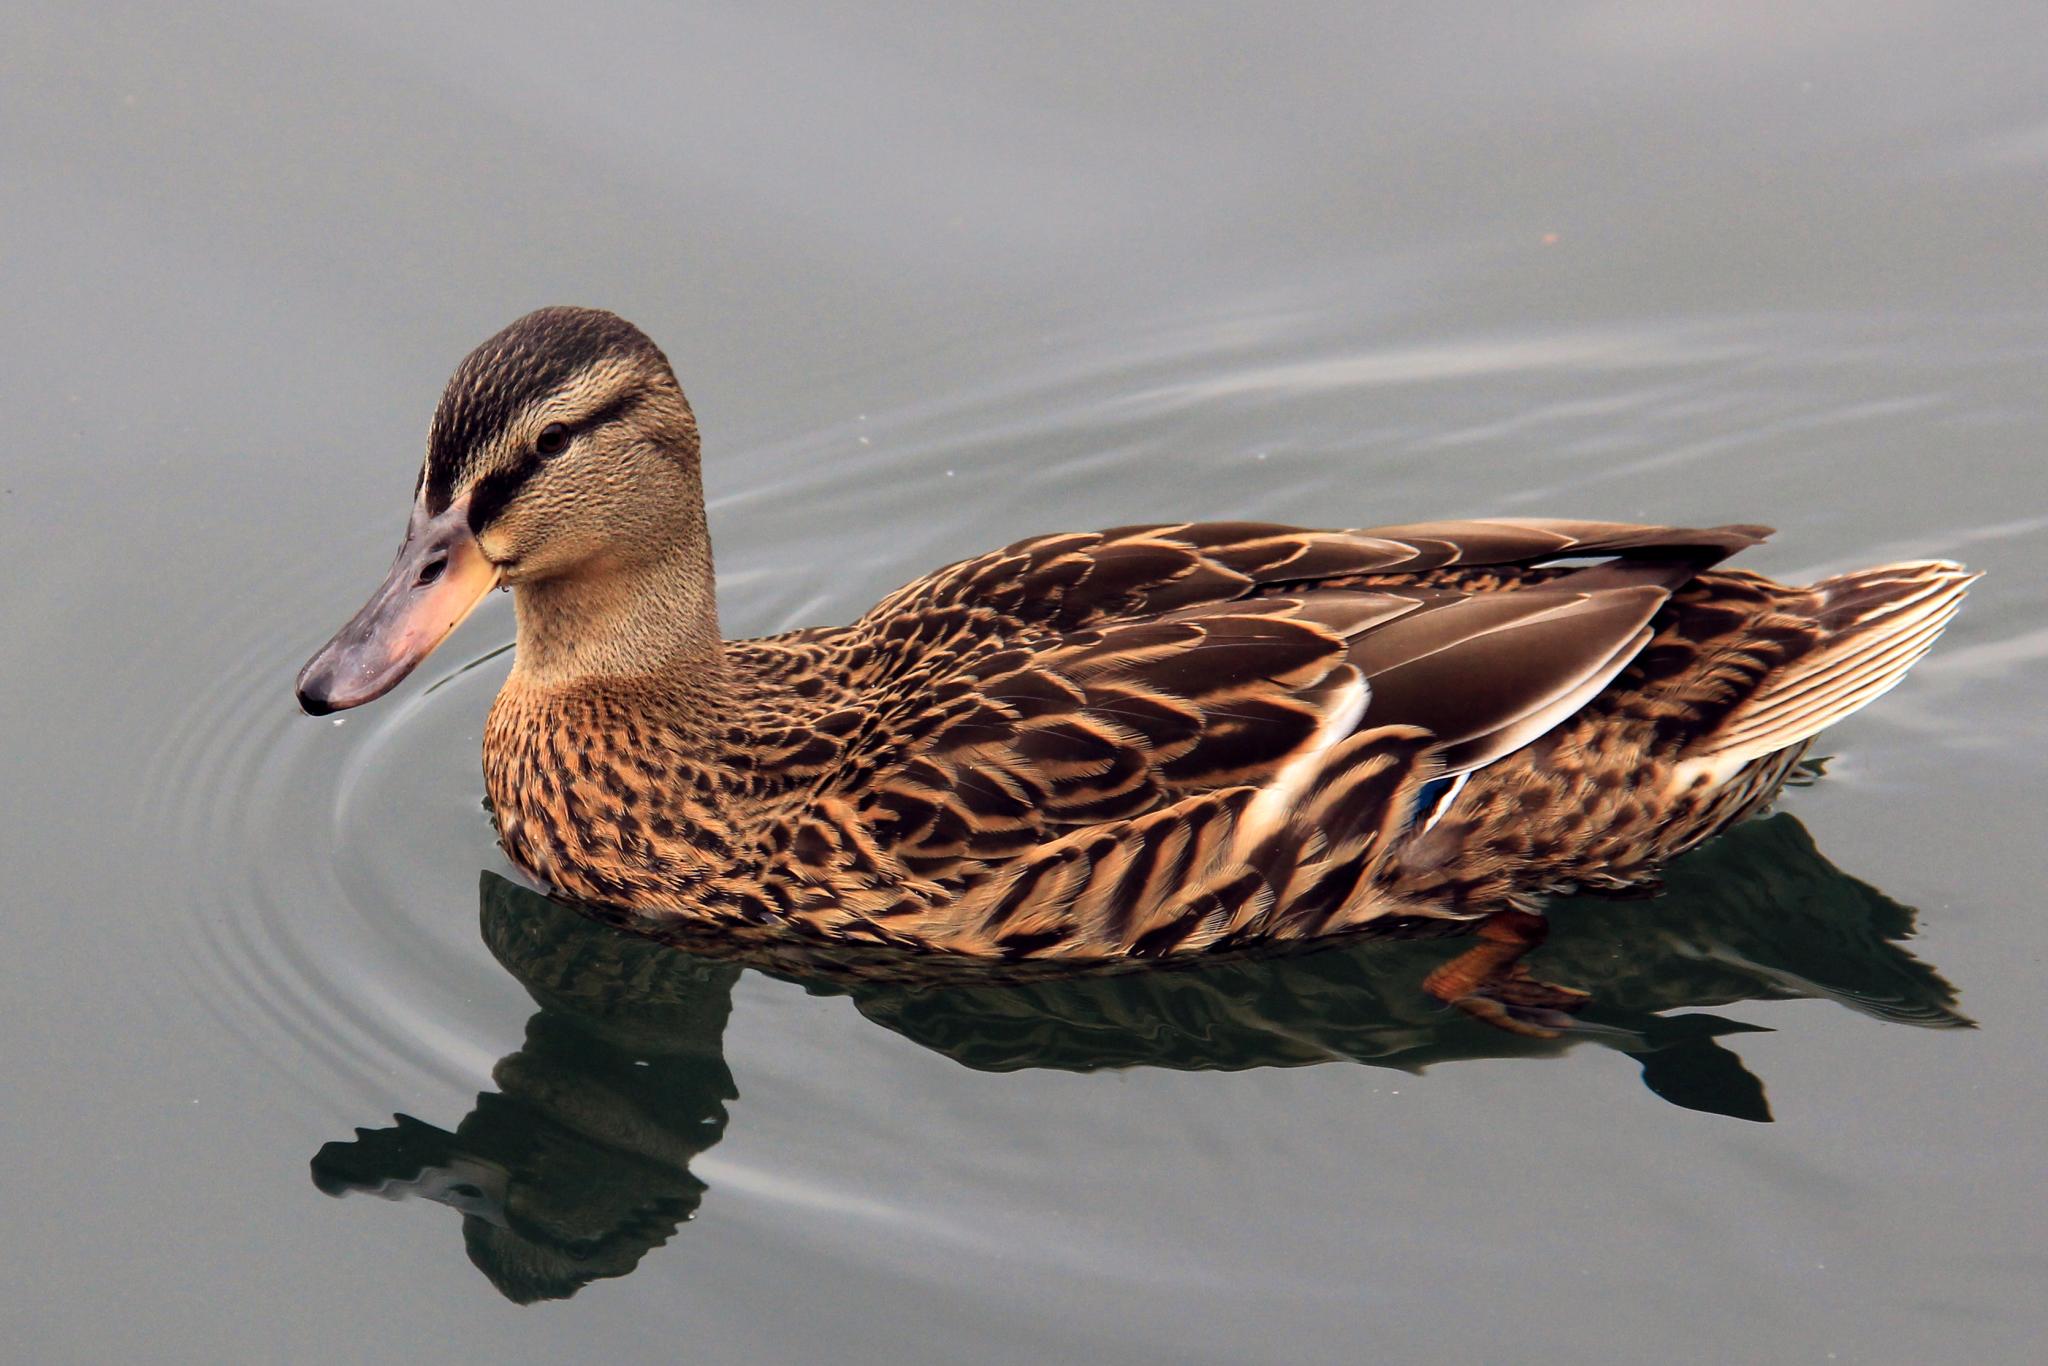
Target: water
<point>934,281</point>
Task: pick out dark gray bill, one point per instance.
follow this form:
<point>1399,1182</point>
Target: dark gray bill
<point>439,577</point>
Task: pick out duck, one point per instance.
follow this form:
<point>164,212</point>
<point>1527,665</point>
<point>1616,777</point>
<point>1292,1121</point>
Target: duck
<point>1146,742</point>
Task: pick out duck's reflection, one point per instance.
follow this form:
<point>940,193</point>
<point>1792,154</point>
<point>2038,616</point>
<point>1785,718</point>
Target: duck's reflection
<point>579,1163</point>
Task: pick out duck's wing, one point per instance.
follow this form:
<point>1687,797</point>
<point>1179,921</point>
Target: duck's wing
<point>1003,738</point>
<point>1112,722</point>
<point>1243,781</point>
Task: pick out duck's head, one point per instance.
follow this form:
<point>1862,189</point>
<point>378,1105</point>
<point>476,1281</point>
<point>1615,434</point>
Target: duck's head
<point>563,452</point>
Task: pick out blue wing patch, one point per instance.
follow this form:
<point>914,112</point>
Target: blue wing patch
<point>1434,798</point>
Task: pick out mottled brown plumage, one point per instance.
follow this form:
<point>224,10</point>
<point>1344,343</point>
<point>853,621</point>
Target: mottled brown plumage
<point>1145,741</point>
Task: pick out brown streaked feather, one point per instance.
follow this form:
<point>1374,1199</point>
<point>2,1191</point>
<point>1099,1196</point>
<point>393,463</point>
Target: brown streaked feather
<point>1184,879</point>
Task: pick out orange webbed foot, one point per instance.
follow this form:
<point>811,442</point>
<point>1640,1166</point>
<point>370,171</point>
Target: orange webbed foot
<point>1490,983</point>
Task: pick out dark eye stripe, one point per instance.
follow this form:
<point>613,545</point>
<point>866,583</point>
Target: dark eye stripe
<point>488,498</point>
<point>500,487</point>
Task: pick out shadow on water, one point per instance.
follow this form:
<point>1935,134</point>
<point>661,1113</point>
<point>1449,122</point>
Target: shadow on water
<point>579,1163</point>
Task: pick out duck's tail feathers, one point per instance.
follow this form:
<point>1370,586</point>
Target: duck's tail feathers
<point>1869,628</point>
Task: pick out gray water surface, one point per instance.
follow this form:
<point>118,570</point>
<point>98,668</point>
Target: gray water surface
<point>936,279</point>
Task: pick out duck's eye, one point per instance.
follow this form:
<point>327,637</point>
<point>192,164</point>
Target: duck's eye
<point>553,439</point>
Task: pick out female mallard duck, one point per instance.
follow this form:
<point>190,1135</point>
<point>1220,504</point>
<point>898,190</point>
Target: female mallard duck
<point>1146,741</point>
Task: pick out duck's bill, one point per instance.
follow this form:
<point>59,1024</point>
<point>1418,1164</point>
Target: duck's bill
<point>437,580</point>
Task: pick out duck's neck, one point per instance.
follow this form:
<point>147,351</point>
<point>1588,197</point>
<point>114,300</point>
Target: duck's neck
<point>651,626</point>
<point>603,750</point>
